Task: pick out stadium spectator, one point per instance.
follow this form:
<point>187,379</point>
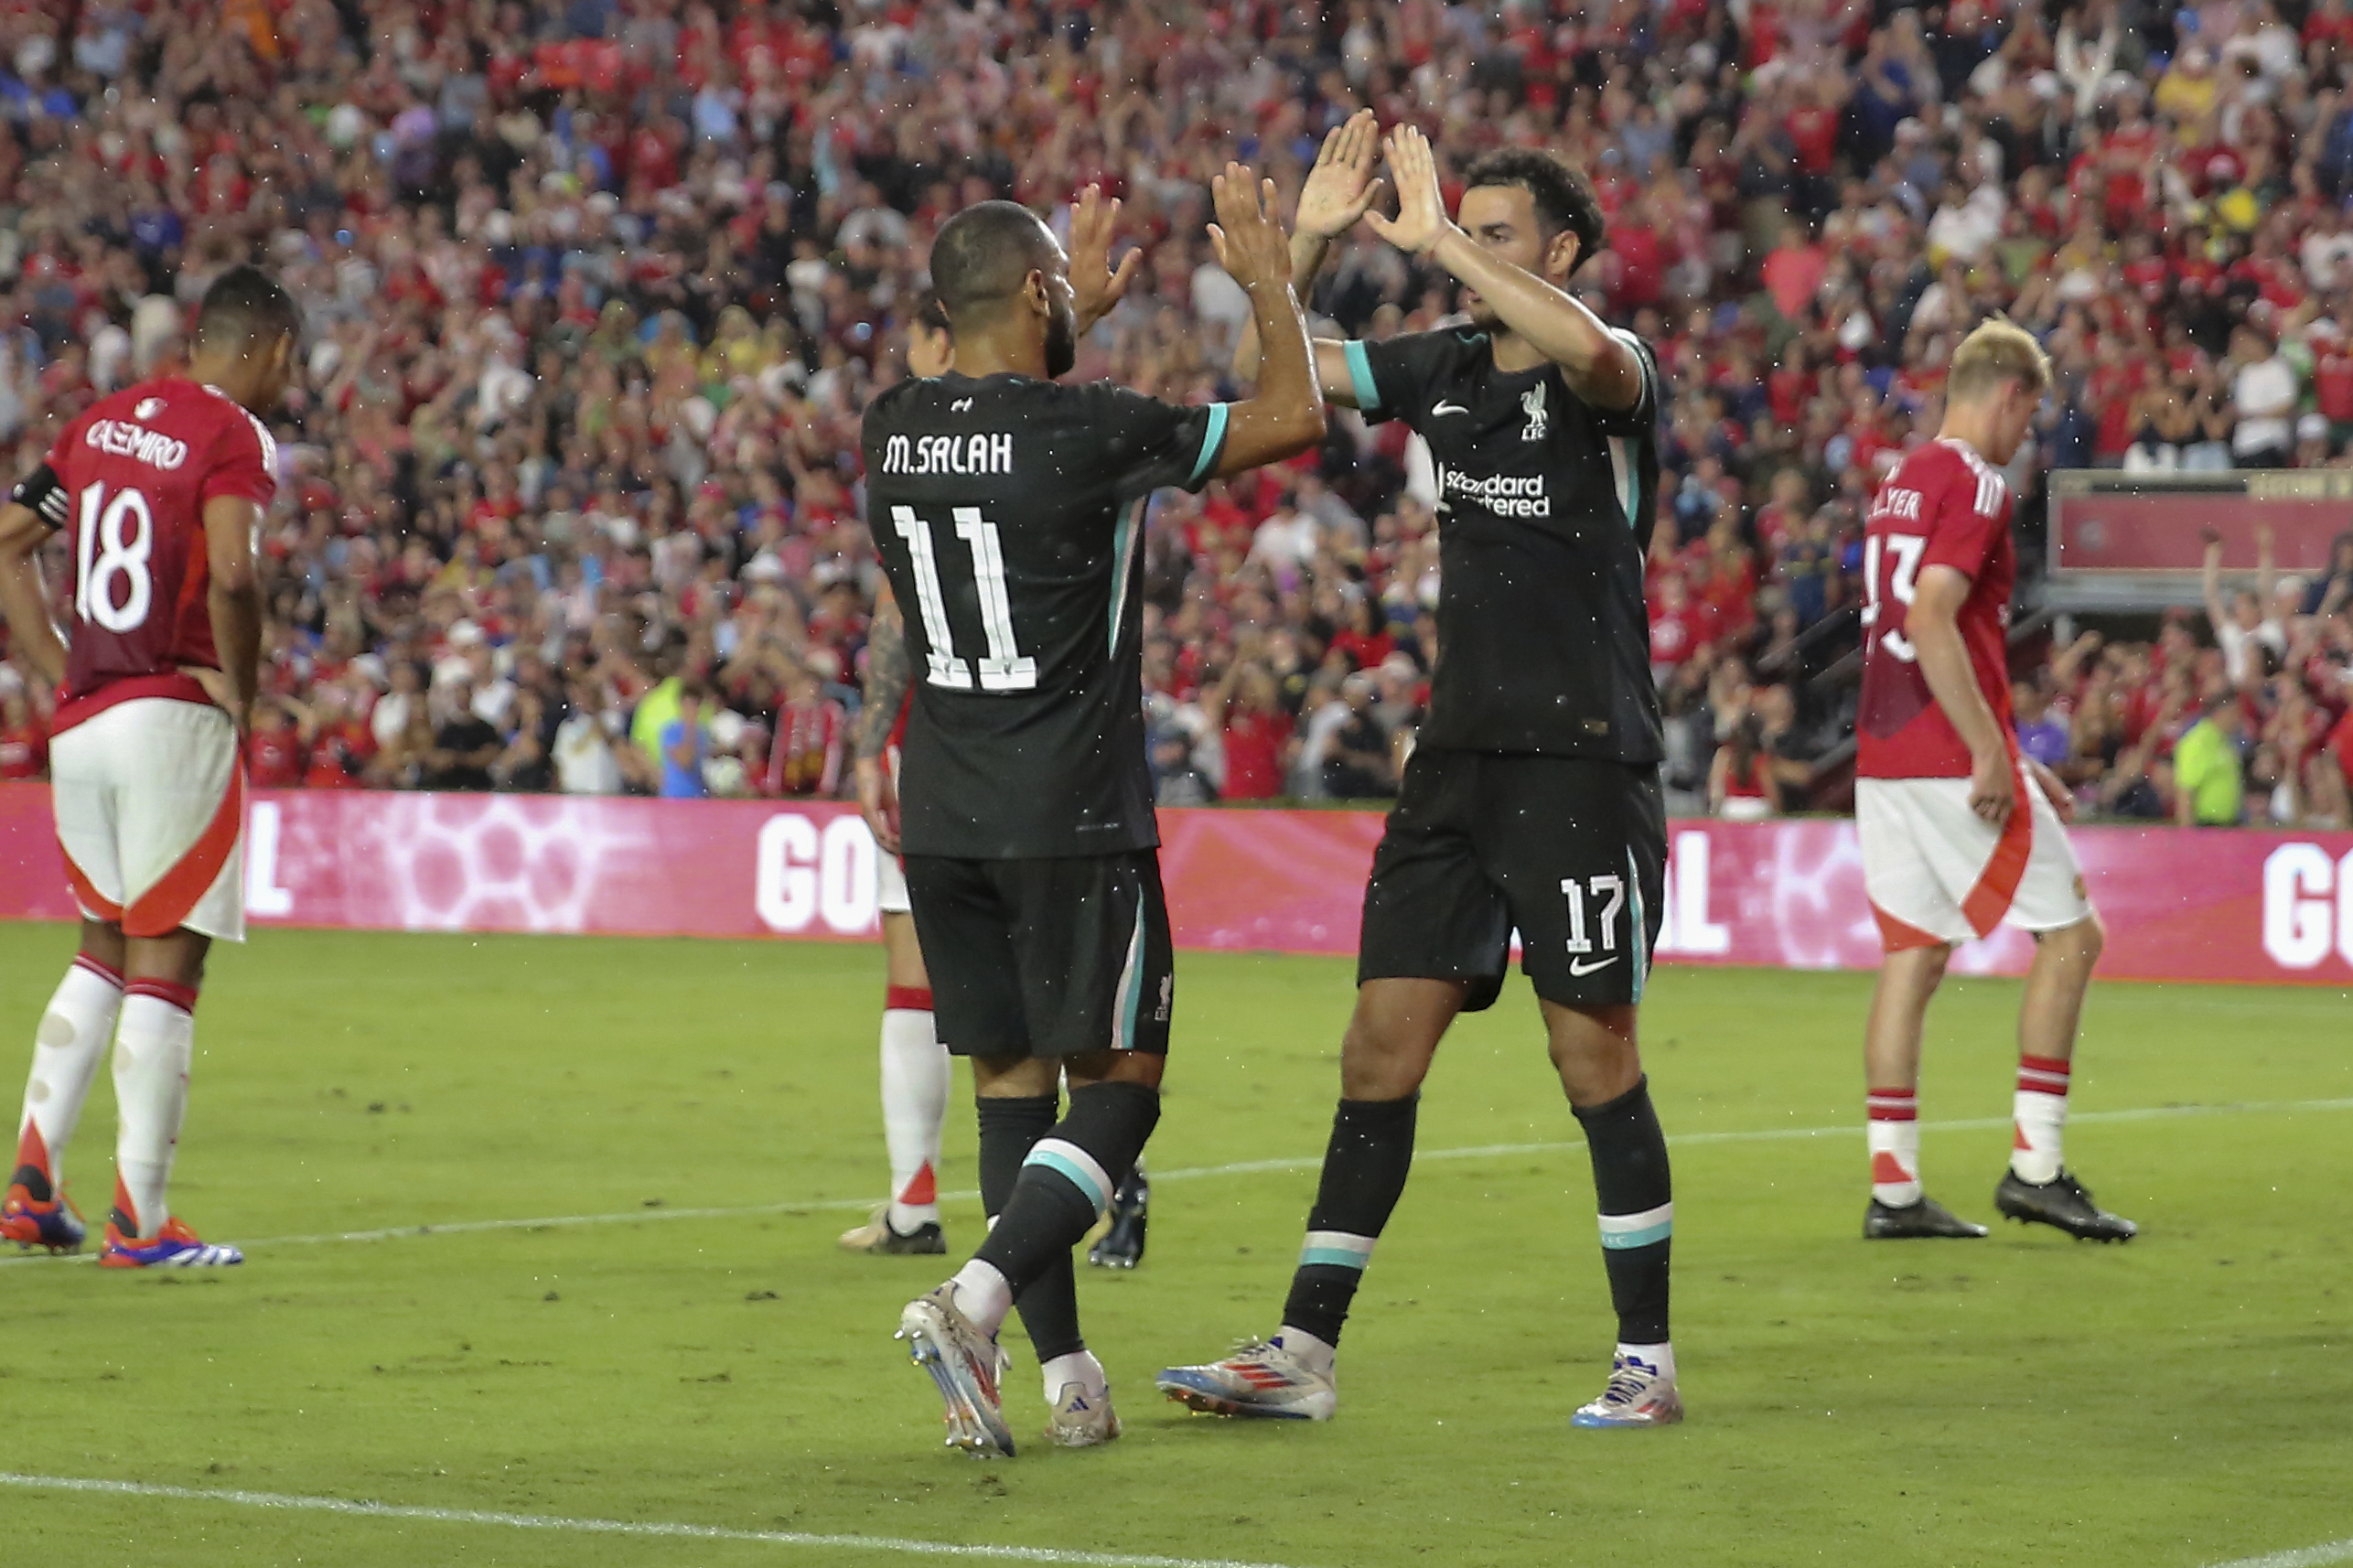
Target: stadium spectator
<point>1358,764</point>
<point>2210,778</point>
<point>683,744</point>
<point>597,293</point>
<point>465,745</point>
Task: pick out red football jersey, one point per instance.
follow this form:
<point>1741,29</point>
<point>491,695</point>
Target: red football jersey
<point>137,470</point>
<point>1943,506</point>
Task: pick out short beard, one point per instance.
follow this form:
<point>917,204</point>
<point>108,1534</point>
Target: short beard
<point>1061,342</point>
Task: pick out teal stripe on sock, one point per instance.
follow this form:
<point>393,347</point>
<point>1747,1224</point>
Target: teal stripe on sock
<point>1338,1258</point>
<point>1074,1174</point>
<point>1626,1241</point>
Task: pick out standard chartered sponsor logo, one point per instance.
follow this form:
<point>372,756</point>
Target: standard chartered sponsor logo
<point>1504,495</point>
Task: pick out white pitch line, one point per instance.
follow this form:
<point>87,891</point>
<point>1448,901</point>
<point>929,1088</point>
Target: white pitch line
<point>283,1501</point>
<point>1199,1173</point>
<point>2303,1557</point>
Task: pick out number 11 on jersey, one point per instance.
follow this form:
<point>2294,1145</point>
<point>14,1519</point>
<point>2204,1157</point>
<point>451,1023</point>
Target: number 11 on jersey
<point>1005,668</point>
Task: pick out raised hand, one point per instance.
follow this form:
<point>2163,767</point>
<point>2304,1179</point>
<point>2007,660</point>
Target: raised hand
<point>1421,222</point>
<point>1341,187</point>
<point>1250,243</point>
<point>1095,287</point>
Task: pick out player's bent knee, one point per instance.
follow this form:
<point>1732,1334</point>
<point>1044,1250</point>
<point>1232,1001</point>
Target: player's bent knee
<point>2082,943</point>
<point>1016,1078</point>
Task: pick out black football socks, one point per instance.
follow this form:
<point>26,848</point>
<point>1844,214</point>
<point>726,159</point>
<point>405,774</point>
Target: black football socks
<point>1638,1208</point>
<point>1365,1167</point>
<point>1065,1182</point>
<point>1048,1304</point>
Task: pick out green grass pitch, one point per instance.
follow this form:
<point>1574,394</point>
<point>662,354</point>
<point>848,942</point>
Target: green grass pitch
<point>2177,1402</point>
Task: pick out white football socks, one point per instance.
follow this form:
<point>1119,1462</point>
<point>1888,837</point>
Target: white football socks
<point>916,1078</point>
<point>1659,1356</point>
<point>983,1295</point>
<point>74,1033</point>
<point>1310,1352</point>
<point>154,1045</point>
<point>2040,1111</point>
<point>1079,1366</point>
<point>1893,1130</point>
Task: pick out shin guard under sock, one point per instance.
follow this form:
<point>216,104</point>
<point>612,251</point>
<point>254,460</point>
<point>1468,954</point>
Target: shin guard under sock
<point>1048,1304</point>
<point>1638,1208</point>
<point>1365,1167</point>
<point>1066,1183</point>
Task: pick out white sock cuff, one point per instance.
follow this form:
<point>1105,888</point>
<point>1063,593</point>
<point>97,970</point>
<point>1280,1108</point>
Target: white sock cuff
<point>1315,1354</point>
<point>1661,1356</point>
<point>1079,1366</point>
<point>1620,1232</point>
<point>983,1294</point>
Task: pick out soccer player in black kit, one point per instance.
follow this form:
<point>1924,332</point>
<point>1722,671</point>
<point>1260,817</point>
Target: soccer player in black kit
<point>1531,801</point>
<point>1008,512</point>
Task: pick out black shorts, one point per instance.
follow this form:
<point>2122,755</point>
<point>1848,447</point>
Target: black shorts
<point>1045,958</point>
<point>1569,851</point>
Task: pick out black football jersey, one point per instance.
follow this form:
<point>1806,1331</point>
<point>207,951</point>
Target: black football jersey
<point>1008,512</point>
<point>1545,512</point>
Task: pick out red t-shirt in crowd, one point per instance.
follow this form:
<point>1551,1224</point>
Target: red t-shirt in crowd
<point>1254,754</point>
<point>1943,506</point>
<point>273,759</point>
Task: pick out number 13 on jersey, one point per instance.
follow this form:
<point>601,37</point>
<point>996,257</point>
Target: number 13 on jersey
<point>1004,668</point>
<point>1904,582</point>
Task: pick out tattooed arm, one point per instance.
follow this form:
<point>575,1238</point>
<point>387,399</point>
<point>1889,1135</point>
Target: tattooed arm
<point>889,674</point>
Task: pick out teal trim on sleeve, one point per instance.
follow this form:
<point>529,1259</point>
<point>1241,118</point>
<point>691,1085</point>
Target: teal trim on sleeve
<point>1213,443</point>
<point>1368,394</point>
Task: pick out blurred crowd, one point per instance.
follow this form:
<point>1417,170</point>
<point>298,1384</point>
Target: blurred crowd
<point>597,288</point>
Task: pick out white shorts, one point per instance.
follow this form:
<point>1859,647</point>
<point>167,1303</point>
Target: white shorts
<point>1937,872</point>
<point>150,802</point>
<point>890,884</point>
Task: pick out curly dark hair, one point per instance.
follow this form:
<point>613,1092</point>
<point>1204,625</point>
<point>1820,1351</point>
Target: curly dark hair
<point>1563,199</point>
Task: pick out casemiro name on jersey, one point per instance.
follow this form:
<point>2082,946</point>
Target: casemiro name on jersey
<point>979,454</point>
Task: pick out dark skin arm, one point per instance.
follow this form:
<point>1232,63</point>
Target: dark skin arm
<point>1285,417</point>
<point>891,673</point>
<point>234,599</point>
<point>23,600</point>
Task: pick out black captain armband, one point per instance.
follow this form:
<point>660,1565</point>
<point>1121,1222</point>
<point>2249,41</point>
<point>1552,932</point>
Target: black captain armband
<point>40,492</point>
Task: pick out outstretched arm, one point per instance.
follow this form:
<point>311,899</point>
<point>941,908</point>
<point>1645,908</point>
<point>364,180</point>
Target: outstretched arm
<point>1286,416</point>
<point>1095,285</point>
<point>2210,579</point>
<point>1601,367</point>
<point>1333,199</point>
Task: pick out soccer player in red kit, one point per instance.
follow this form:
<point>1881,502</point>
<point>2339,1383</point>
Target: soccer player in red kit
<point>1959,833</point>
<point>159,491</point>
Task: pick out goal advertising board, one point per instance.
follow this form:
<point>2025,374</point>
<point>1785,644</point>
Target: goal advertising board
<point>2179,904</point>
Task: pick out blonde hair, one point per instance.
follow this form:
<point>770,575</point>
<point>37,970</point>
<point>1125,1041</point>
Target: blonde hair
<point>1999,350</point>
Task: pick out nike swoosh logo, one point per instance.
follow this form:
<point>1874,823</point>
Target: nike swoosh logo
<point>1579,967</point>
<point>1448,408</point>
